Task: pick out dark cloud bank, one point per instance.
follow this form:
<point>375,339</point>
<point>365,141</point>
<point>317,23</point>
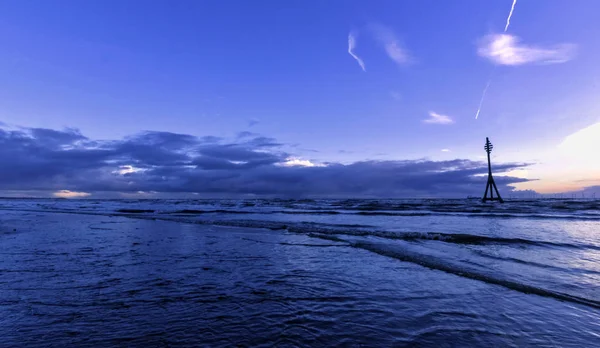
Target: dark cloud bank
<point>45,160</point>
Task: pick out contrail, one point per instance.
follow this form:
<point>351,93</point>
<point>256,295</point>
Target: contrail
<point>485,92</point>
<point>510,15</point>
<point>351,46</point>
<point>512,9</point>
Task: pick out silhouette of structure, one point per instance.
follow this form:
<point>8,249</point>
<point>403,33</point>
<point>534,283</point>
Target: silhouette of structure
<point>491,185</point>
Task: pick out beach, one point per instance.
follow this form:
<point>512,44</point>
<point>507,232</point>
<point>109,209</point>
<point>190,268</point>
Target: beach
<point>106,273</point>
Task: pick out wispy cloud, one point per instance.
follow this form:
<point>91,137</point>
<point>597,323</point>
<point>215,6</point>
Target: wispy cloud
<point>505,49</point>
<point>445,150</point>
<point>351,47</point>
<point>246,134</point>
<point>436,118</point>
<point>390,43</point>
<point>396,95</point>
<point>253,122</point>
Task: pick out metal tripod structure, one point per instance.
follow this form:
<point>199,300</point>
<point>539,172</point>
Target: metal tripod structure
<point>491,185</point>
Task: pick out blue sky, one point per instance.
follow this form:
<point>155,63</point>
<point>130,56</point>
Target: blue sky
<point>282,69</point>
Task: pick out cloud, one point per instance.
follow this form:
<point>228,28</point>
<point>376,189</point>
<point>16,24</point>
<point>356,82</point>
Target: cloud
<point>351,47</point>
<point>70,194</point>
<point>396,95</point>
<point>211,139</point>
<point>386,37</point>
<point>445,150</point>
<point>127,169</point>
<point>576,155</point>
<point>583,143</point>
<point>436,118</point>
<point>516,173</point>
<point>293,161</point>
<point>253,122</point>
<point>246,134</point>
<point>504,49</point>
<point>591,192</point>
<point>68,164</point>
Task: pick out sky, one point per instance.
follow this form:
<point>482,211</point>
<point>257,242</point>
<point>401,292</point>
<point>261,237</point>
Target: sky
<point>298,98</point>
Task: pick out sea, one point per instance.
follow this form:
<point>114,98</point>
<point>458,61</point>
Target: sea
<point>299,273</point>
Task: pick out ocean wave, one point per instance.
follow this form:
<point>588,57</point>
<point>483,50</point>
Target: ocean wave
<point>357,230</point>
<point>454,238</point>
<point>536,264</point>
<point>474,213</point>
<point>461,270</point>
<point>134,211</point>
<point>571,209</point>
<point>460,238</point>
<point>465,213</point>
<point>401,251</point>
<point>214,211</point>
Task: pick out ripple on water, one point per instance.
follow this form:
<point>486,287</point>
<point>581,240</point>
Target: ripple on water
<point>199,285</point>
